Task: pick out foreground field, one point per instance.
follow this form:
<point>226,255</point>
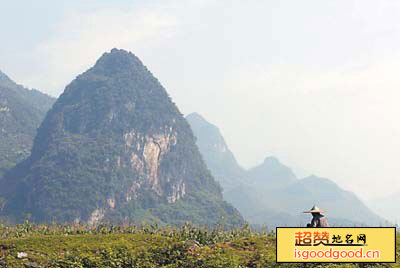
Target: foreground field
<point>109,246</point>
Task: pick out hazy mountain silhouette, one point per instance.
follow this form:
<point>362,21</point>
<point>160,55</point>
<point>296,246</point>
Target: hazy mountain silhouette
<point>219,159</point>
<point>270,193</point>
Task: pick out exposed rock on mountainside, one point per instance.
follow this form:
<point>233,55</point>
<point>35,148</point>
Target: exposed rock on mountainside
<point>114,147</point>
<point>21,112</point>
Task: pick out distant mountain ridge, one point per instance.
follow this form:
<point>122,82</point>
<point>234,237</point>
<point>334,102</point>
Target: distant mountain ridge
<point>215,152</point>
<point>271,174</point>
<point>271,194</point>
<point>21,112</point>
<point>115,148</point>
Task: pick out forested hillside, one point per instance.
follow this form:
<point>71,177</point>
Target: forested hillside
<point>114,147</point>
<point>21,112</point>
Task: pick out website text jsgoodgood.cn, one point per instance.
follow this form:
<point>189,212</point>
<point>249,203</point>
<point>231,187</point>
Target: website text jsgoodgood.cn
<point>334,254</point>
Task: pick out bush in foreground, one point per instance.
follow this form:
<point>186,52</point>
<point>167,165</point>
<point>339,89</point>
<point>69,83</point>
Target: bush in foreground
<point>28,245</point>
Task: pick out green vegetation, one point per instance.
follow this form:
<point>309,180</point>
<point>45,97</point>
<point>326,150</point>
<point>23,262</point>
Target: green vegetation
<point>140,246</point>
<point>115,148</point>
<point>21,112</point>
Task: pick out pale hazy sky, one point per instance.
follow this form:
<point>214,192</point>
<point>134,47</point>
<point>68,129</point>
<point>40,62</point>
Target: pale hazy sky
<point>312,82</point>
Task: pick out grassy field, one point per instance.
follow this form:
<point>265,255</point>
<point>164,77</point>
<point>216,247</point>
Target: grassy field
<point>30,245</point>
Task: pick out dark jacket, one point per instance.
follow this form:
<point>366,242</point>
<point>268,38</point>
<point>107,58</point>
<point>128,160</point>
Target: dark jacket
<point>319,220</point>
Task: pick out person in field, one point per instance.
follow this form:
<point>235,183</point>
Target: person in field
<point>318,219</point>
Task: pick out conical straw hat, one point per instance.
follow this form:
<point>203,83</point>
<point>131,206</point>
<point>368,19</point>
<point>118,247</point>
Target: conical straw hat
<point>314,209</point>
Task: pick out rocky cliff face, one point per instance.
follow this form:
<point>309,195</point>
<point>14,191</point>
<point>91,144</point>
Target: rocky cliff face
<point>114,147</point>
<point>21,112</point>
